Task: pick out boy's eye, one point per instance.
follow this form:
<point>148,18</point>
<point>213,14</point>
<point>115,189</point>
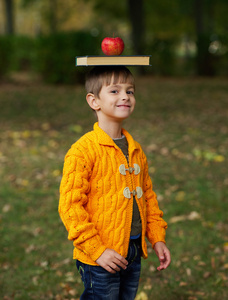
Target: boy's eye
<point>114,91</point>
<point>130,92</point>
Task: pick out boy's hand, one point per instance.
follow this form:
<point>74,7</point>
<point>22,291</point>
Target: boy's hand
<point>163,255</point>
<point>112,261</point>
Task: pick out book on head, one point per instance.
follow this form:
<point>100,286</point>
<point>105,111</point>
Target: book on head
<point>139,60</point>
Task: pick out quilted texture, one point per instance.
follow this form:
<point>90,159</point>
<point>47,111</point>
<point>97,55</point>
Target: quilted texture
<point>92,205</point>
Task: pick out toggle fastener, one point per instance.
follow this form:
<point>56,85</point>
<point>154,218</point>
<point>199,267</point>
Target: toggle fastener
<point>127,193</point>
<point>123,170</point>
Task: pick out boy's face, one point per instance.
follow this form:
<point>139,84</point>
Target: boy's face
<point>116,102</point>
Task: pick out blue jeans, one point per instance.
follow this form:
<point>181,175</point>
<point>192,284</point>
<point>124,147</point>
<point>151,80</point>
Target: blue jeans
<point>102,285</point>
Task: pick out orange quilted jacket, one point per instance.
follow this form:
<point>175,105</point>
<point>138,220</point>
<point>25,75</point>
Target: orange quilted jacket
<point>96,196</point>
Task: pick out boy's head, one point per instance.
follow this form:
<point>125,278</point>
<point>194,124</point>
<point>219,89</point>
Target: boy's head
<point>105,75</point>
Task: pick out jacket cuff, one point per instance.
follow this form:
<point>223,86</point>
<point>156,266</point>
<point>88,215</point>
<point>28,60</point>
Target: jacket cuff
<point>96,254</point>
<point>159,237</point>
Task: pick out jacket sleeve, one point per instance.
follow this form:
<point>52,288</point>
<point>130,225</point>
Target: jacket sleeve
<point>156,226</point>
<point>74,188</point>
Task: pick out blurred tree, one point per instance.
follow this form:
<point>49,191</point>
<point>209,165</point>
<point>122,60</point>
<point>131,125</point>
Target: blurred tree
<point>208,22</point>
<point>53,12</point>
<point>56,15</point>
<point>204,60</point>
<point>155,26</point>
<point>52,16</point>
<point>201,21</point>
<point>49,12</point>
<point>136,17</point>
<point>129,12</point>
<point>9,4</point>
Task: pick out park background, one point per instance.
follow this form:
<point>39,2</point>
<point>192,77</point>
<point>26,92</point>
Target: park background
<point>180,120</point>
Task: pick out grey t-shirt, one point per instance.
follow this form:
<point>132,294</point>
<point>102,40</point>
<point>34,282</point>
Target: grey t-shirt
<point>136,225</point>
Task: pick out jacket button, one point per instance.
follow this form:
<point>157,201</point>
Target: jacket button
<point>122,169</point>
<point>139,192</point>
<point>137,169</point>
<point>127,193</point>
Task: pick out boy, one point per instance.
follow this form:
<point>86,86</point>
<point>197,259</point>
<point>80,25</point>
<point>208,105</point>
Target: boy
<point>106,199</point>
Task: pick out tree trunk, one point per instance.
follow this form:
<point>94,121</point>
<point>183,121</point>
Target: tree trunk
<point>136,16</point>
<point>204,59</point>
<point>9,16</point>
<point>53,16</point>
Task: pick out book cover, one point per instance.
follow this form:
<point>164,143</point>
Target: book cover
<point>139,60</point>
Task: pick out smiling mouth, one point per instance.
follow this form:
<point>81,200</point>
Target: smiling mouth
<point>122,105</point>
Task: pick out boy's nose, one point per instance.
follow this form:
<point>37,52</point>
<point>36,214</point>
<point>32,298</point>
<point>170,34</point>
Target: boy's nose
<point>125,96</point>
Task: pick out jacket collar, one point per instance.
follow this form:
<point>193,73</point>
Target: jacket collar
<point>105,139</point>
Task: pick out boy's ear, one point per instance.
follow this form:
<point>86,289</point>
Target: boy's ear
<point>92,101</point>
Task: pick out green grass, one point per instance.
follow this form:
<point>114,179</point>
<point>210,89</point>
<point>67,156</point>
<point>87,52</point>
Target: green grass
<point>183,128</point>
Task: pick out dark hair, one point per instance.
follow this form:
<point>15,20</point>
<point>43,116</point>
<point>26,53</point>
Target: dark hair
<point>105,75</point>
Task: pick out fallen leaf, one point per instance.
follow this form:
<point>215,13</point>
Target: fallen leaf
<point>36,231</point>
<point>75,128</point>
<point>52,143</point>
<point>189,271</point>
<point>59,273</point>
<point>26,134</point>
<point>35,280</point>
<point>70,277</point>
<point>73,292</point>
<point>185,259</point>
<point>44,264</point>
<point>152,147</point>
<point>206,275</point>
<point>201,264</point>
<point>66,287</point>
<point>225,247</point>
<point>219,158</point>
<point>175,152</point>
<point>178,263</point>
<point>177,219</point>
<point>22,182</point>
<point>147,287</point>
<point>30,248</point>
<point>6,208</point>
<point>164,151</point>
<point>193,216</point>
<point>66,261</point>
<point>217,250</point>
<point>160,197</point>
<point>45,126</point>
<point>7,298</point>
<point>5,266</point>
<point>223,276</point>
<point>225,266</point>
<point>142,296</point>
<point>56,173</point>
<point>180,196</point>
<point>182,283</point>
<point>152,170</point>
<point>213,263</point>
<point>152,268</point>
<point>196,257</point>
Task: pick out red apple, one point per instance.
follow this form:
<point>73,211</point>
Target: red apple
<point>112,46</point>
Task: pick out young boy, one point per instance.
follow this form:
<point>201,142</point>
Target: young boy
<point>107,203</point>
